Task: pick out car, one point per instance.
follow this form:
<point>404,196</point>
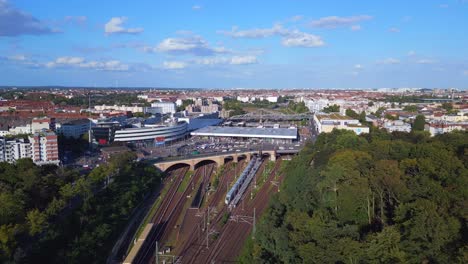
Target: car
<point>238,150</point>
<point>224,150</point>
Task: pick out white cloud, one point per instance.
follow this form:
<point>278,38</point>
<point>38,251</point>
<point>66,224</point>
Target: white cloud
<point>79,62</point>
<point>114,26</point>
<point>465,72</point>
<point>212,61</point>
<point>296,18</point>
<point>174,65</point>
<point>443,6</point>
<point>425,61</point>
<point>112,65</point>
<point>277,29</point>
<point>301,39</point>
<point>76,19</point>
<point>290,38</point>
<point>358,67</point>
<point>411,53</point>
<point>239,60</point>
<point>196,7</point>
<point>193,45</point>
<point>389,61</point>
<point>394,29</point>
<point>336,21</point>
<point>355,27</point>
<point>18,57</point>
<point>235,60</point>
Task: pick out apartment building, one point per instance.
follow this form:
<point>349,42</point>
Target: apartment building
<point>326,123</point>
<point>74,128</point>
<point>44,148</point>
<point>14,150</point>
<point>166,107</point>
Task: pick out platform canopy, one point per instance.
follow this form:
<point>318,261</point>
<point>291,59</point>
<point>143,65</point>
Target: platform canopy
<point>246,132</point>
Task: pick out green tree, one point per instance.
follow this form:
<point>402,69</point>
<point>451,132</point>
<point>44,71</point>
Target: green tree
<point>410,108</point>
<point>447,106</point>
<point>331,109</point>
<point>419,123</point>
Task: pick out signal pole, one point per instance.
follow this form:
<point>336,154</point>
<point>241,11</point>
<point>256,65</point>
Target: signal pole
<point>157,251</point>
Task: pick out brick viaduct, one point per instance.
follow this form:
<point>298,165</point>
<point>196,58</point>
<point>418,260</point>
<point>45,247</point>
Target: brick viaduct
<point>219,159</point>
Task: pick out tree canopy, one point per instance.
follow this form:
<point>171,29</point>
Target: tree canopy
<point>51,214</point>
<point>375,198</point>
<point>419,123</point>
<point>331,109</point>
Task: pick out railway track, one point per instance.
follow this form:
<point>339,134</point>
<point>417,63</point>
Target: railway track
<point>227,246</point>
<point>168,217</point>
<point>192,241</point>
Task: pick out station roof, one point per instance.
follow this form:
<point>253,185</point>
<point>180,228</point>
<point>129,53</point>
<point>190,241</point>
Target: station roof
<point>333,116</point>
<point>249,132</point>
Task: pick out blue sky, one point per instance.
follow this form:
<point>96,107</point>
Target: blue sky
<point>228,44</point>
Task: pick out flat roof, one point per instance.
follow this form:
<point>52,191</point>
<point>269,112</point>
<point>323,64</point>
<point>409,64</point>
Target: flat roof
<point>217,131</point>
<point>334,117</point>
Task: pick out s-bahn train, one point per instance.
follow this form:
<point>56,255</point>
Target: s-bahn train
<point>238,184</point>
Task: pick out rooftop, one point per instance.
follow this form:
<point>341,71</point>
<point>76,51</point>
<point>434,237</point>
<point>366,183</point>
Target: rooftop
<point>334,117</point>
<point>286,133</point>
<point>77,122</point>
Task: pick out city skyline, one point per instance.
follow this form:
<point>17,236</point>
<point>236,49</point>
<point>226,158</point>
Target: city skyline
<point>207,44</point>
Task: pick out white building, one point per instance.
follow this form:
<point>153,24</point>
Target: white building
<point>39,124</point>
<point>243,99</point>
<point>326,123</point>
<point>75,128</point>
<point>272,99</point>
<point>397,125</point>
<point>133,109</point>
<point>44,148</point>
<point>317,105</point>
<point>2,149</point>
<point>17,149</point>
<point>166,107</point>
<point>442,127</point>
<point>26,129</point>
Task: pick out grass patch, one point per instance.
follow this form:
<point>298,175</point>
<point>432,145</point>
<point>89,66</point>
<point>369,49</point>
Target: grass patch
<point>152,211</point>
<point>185,181</point>
<point>225,218</point>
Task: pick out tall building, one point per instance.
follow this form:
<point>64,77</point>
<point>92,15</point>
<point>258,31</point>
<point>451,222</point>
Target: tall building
<point>16,149</point>
<point>39,124</point>
<point>2,149</point>
<point>75,128</point>
<point>166,107</point>
<point>326,123</point>
<point>44,148</point>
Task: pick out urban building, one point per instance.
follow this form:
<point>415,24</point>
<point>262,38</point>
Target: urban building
<point>158,134</point>
<point>44,148</point>
<point>74,128</point>
<point>326,123</point>
<point>16,149</point>
<point>272,135</point>
<point>2,149</point>
<point>39,124</point>
<point>166,107</point>
<point>397,125</point>
<point>442,127</point>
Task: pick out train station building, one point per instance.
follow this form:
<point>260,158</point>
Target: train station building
<point>270,135</point>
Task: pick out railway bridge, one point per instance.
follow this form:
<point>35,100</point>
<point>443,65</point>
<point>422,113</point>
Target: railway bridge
<point>218,158</point>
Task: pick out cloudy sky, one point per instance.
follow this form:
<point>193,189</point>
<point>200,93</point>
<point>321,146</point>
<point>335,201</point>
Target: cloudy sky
<point>227,44</point>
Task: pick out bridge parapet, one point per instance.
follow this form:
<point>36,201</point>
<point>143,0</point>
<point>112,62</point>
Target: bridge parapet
<point>219,159</point>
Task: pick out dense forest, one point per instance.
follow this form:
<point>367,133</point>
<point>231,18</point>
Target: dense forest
<point>57,215</point>
<point>376,198</point>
